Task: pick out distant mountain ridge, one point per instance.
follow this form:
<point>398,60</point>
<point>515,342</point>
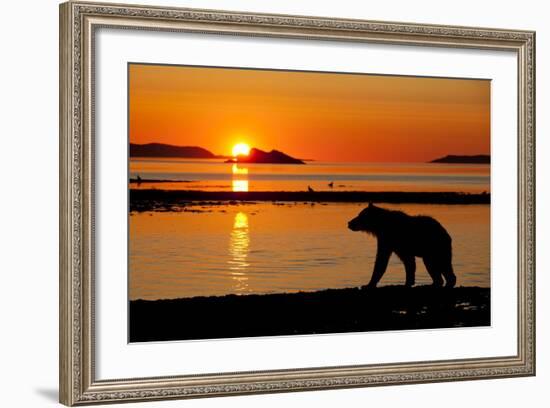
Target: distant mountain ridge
<point>475,159</point>
<point>166,150</point>
<point>260,156</point>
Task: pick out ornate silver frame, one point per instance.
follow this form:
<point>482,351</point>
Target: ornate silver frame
<point>78,22</point>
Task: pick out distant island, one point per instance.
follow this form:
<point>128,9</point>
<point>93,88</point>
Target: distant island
<point>476,159</point>
<point>166,150</point>
<point>272,157</point>
<point>196,152</point>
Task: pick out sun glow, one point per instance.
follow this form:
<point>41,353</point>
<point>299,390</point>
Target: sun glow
<point>241,149</point>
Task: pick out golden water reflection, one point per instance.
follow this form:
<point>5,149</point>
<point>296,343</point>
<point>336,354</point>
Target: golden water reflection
<point>284,249</point>
<point>235,169</point>
<point>240,178</point>
<point>239,185</point>
<point>238,251</point>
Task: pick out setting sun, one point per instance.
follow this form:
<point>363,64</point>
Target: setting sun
<point>241,149</point>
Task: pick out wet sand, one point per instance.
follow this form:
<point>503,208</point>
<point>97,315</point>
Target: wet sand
<point>326,311</point>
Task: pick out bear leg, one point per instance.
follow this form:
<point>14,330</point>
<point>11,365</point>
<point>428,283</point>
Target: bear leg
<point>434,269</point>
<point>380,265</point>
<point>450,277</point>
<point>410,269</point>
<point>446,267</point>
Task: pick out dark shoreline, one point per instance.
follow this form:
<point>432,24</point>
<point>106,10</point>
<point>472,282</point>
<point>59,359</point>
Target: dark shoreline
<point>326,311</point>
<point>156,181</point>
<point>152,199</point>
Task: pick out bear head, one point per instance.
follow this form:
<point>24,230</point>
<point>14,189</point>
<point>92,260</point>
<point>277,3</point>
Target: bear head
<point>367,220</point>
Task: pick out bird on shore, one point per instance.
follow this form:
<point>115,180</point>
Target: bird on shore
<point>138,179</point>
<point>331,184</point>
<point>310,189</point>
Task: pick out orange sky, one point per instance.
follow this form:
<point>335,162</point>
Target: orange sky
<point>332,117</point>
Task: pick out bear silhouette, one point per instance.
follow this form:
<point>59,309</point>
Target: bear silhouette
<point>408,237</point>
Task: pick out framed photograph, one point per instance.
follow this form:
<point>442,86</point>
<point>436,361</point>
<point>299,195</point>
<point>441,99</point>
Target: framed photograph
<point>256,203</point>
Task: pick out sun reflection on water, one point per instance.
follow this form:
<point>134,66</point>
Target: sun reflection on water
<point>238,250</point>
<point>239,185</point>
<point>240,178</point>
<point>235,169</point>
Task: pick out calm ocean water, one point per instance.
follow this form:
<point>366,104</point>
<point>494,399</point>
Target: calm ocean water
<point>288,247</point>
<point>215,175</point>
<point>274,247</point>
